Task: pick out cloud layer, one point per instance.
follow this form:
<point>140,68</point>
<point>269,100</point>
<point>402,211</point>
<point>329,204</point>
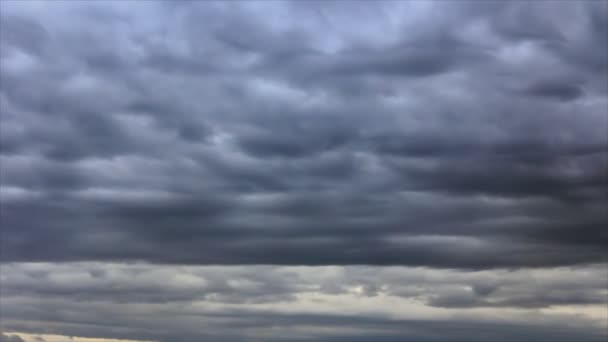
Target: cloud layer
<point>456,136</point>
<point>230,134</point>
<point>330,303</point>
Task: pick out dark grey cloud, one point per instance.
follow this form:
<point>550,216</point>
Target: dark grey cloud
<point>562,91</point>
<point>460,135</point>
<point>242,141</point>
<point>366,328</point>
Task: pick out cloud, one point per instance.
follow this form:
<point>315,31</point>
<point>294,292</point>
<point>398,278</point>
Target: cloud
<point>142,283</point>
<point>264,153</point>
<point>565,92</point>
<point>10,338</point>
<point>456,137</point>
<point>152,302</point>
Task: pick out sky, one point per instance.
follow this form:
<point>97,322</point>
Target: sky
<point>412,171</point>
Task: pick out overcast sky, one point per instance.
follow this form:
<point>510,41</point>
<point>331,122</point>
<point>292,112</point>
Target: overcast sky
<point>410,171</point>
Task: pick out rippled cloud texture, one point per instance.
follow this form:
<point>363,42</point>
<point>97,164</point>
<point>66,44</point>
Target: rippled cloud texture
<point>303,171</point>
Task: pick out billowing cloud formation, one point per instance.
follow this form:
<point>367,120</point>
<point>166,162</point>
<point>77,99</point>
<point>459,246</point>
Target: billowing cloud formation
<point>454,135</point>
<point>282,134</point>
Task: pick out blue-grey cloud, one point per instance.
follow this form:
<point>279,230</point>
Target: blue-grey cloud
<point>447,135</point>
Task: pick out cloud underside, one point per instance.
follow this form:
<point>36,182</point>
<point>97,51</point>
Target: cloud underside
<point>168,169</point>
<point>331,303</point>
<point>478,141</point>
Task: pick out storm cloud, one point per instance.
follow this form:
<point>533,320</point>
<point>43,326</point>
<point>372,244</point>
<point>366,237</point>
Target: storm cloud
<point>450,136</point>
